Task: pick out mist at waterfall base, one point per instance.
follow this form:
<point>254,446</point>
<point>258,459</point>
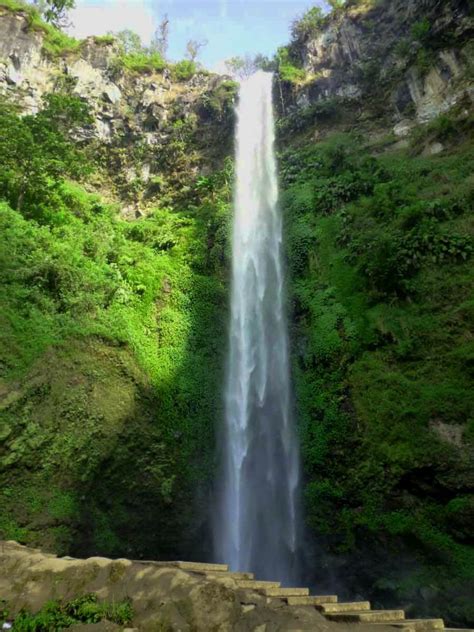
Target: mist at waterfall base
<point>257,521</point>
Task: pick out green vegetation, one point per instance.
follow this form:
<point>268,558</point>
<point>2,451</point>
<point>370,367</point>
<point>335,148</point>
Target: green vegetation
<point>183,70</point>
<point>35,153</point>
<point>308,24</point>
<point>140,61</point>
<point>287,66</point>
<point>55,43</point>
<point>105,40</point>
<point>137,58</point>
<point>57,615</point>
<point>112,342</point>
<point>55,11</point>
<point>380,255</point>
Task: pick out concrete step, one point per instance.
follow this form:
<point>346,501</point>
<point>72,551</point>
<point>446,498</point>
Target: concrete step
<point>369,616</point>
<point>311,600</point>
<point>287,592</point>
<point>195,567</point>
<point>236,576</point>
<point>419,625</point>
<point>354,606</point>
<point>256,585</point>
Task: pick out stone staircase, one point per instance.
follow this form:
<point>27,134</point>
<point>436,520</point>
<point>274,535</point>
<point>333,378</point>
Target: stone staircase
<point>328,605</point>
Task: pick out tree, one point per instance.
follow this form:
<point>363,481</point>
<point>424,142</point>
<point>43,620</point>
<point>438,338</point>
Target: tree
<point>36,152</point>
<point>336,4</point>
<point>55,11</point>
<point>242,67</point>
<point>308,24</point>
<point>160,41</point>
<point>193,48</point>
<point>129,41</point>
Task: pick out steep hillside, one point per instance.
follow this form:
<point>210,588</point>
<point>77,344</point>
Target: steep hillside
<point>380,239</point>
<point>111,329</point>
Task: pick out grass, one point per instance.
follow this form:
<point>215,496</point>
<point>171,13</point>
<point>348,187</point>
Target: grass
<point>141,61</point>
<point>58,615</point>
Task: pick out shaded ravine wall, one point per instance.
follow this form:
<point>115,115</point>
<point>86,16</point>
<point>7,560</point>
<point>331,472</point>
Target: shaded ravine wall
<point>377,133</point>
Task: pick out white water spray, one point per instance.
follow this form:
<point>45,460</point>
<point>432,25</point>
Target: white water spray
<point>256,527</point>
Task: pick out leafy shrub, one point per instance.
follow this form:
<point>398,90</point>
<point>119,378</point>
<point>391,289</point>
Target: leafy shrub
<point>35,154</point>
<point>218,102</point>
<point>446,127</point>
<point>291,73</point>
<point>140,61</point>
<point>420,31</point>
<point>309,24</point>
<point>56,616</point>
<point>287,66</point>
<point>58,43</point>
<point>301,240</point>
<point>104,40</point>
<point>183,70</point>
<point>403,48</point>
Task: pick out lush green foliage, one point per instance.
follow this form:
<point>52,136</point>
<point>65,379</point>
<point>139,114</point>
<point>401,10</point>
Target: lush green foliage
<point>183,70</point>
<point>35,154</point>
<point>287,67</point>
<point>56,615</point>
<point>134,56</point>
<point>308,24</point>
<point>54,11</point>
<point>380,255</point>
<point>116,332</point>
<point>138,58</point>
<point>140,61</point>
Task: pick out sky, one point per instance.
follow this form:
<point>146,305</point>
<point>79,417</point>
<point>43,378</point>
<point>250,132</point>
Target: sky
<point>231,27</point>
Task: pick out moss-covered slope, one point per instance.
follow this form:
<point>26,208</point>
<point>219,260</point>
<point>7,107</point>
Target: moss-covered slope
<point>379,244</point>
<point>111,352</point>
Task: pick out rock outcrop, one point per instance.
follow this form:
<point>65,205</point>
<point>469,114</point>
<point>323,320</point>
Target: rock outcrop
<point>142,117</point>
<point>117,98</point>
<point>412,59</point>
<point>164,596</point>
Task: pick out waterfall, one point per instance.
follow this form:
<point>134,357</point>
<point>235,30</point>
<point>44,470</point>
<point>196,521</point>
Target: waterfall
<point>257,522</point>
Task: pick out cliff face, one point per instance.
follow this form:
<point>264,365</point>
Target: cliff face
<point>131,110</point>
<point>406,61</point>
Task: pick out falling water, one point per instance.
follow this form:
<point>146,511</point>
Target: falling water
<point>256,527</point>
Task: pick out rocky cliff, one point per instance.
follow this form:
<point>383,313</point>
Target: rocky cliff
<point>142,118</point>
<point>397,63</point>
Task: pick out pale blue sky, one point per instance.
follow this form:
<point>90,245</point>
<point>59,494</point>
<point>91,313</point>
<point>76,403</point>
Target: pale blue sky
<point>232,27</point>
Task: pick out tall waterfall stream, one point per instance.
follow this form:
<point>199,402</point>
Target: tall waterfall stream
<point>257,523</point>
